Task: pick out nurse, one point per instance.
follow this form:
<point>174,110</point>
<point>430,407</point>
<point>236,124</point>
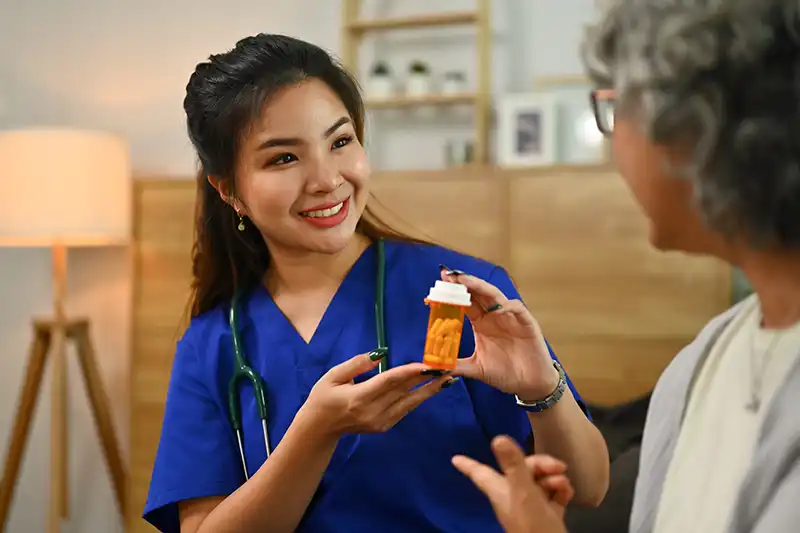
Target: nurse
<point>284,220</point>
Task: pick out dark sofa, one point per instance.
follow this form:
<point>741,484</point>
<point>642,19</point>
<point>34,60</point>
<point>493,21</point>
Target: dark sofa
<point>622,426</point>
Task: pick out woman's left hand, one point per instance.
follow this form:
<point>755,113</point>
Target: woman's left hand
<point>510,351</point>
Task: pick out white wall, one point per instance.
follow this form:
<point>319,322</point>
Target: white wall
<point>123,66</point>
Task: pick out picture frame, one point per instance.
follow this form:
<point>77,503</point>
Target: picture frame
<point>527,127</point>
<point>578,139</point>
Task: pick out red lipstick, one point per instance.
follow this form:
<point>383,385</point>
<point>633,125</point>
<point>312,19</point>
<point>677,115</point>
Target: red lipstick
<point>317,217</point>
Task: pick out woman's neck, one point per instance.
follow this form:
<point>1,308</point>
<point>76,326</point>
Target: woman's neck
<point>293,271</point>
<point>775,278</point>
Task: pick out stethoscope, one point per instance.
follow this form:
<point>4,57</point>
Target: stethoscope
<point>241,370</point>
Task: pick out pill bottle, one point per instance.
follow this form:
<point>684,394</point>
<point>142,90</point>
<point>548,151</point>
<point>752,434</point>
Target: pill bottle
<point>447,302</point>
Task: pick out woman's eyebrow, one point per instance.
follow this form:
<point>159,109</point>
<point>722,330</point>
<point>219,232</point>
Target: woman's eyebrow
<point>294,141</point>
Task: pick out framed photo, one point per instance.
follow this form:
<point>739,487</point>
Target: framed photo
<point>579,141</point>
<point>527,125</point>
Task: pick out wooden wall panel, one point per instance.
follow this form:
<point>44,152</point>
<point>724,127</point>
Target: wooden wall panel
<point>163,211</point>
<point>615,310</point>
<point>461,210</point>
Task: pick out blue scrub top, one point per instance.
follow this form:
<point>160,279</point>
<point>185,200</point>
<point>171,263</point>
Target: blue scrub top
<point>398,481</point>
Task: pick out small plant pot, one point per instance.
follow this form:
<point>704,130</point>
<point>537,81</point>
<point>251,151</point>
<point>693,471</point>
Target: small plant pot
<point>453,83</point>
<point>380,87</point>
<point>380,84</point>
<point>418,85</point>
<point>418,82</point>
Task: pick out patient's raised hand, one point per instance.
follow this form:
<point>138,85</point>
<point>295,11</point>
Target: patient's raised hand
<point>529,495</point>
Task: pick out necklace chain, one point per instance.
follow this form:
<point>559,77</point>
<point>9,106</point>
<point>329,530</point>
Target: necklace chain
<point>757,378</point>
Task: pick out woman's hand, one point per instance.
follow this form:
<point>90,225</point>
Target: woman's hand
<point>510,351</point>
<point>339,406</point>
<point>530,494</point>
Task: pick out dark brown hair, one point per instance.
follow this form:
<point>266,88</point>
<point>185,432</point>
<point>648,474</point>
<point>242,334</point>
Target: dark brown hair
<point>223,97</point>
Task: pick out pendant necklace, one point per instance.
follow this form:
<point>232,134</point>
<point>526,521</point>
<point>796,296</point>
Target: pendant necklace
<point>757,378</point>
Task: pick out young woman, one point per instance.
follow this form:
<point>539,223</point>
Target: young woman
<point>707,135</point>
<point>284,224</point>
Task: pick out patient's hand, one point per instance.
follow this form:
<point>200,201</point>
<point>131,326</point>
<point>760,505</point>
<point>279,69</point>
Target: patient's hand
<point>530,494</point>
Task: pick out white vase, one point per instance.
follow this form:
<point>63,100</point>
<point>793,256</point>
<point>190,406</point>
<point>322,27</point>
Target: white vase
<point>418,84</point>
<point>453,86</point>
<point>459,152</point>
<point>380,87</point>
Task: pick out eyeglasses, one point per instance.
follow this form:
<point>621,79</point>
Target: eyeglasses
<point>603,101</point>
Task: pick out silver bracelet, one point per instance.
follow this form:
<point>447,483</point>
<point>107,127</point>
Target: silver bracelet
<point>553,398</point>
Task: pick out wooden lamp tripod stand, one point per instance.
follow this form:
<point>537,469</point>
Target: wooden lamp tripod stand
<point>50,340</point>
<point>78,169</point>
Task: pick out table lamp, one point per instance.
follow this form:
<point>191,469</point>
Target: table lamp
<point>62,188</point>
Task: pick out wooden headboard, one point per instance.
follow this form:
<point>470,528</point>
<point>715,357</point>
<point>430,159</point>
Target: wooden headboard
<point>615,310</point>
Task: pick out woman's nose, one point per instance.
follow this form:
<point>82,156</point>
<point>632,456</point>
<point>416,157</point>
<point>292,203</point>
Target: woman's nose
<point>324,177</point>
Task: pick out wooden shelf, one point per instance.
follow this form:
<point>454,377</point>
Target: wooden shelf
<point>560,81</point>
<point>418,21</point>
<point>478,171</point>
<point>355,25</point>
<point>433,99</point>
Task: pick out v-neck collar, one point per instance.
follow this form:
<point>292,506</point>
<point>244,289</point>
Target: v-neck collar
<point>361,275</point>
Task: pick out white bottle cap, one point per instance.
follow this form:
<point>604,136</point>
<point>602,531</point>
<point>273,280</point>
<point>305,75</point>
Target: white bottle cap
<point>450,293</point>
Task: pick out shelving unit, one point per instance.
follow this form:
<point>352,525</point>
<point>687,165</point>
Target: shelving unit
<point>434,99</point>
<point>418,21</point>
<point>354,28</point>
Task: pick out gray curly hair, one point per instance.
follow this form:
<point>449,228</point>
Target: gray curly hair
<point>723,78</point>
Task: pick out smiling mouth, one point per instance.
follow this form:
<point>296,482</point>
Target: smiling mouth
<point>324,213</point>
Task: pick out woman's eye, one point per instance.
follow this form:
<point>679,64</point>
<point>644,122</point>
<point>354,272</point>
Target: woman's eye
<point>342,141</point>
<point>283,159</point>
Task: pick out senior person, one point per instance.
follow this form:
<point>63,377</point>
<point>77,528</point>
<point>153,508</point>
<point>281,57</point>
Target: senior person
<point>706,133</point>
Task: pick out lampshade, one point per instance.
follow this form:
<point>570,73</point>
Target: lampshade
<point>63,186</point>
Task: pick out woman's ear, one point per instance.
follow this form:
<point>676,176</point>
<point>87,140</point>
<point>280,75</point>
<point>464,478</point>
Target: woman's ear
<point>222,186</point>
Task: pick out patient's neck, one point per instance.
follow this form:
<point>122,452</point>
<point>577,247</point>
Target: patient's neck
<point>775,277</point>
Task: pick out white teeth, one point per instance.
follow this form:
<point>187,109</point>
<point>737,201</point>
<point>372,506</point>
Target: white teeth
<point>322,213</point>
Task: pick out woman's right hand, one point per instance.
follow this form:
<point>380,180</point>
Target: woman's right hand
<point>529,494</point>
<point>339,406</point>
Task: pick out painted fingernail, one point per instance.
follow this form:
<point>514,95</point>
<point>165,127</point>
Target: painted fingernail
<point>493,307</point>
<point>450,382</point>
<point>435,372</point>
<point>452,271</point>
<point>378,354</point>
